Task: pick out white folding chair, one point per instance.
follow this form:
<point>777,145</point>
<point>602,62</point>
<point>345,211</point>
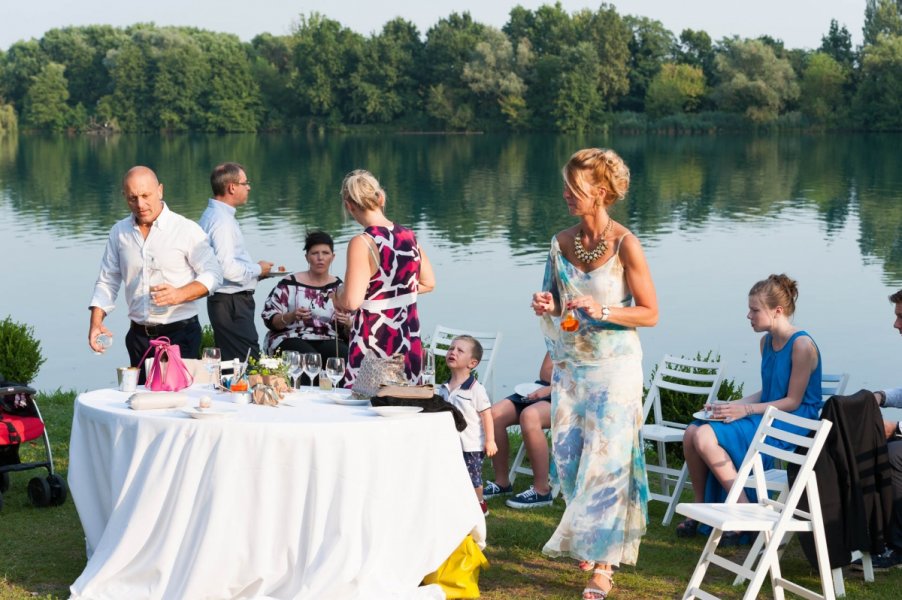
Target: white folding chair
<point>772,519</point>
<point>441,341</point>
<point>682,375</point>
<point>777,480</point>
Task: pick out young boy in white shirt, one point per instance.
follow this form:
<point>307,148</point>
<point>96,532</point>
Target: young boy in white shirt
<point>471,399</point>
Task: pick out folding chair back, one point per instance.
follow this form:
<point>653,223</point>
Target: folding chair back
<point>699,379</point>
<point>833,384</point>
<point>490,340</point>
<point>771,518</point>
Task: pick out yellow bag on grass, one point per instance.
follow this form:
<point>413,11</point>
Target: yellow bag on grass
<point>459,574</point>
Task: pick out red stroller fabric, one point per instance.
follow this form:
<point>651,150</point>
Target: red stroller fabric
<point>26,428</point>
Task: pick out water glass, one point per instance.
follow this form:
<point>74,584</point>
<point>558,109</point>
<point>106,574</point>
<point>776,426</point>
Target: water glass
<point>429,368</point>
<point>211,358</point>
<point>104,340</point>
<point>295,365</point>
<point>313,364</point>
<point>335,370</point>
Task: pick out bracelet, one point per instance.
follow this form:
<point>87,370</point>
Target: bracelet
<point>882,397</point>
<point>748,410</point>
<point>605,312</point>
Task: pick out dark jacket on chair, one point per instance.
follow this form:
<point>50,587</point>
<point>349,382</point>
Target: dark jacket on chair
<point>853,480</point>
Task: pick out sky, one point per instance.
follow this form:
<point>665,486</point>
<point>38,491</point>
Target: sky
<point>799,23</point>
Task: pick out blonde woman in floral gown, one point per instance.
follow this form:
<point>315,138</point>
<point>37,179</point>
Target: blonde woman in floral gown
<point>597,290</point>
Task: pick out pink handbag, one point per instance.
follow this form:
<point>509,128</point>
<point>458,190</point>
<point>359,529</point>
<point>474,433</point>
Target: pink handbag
<point>168,373</point>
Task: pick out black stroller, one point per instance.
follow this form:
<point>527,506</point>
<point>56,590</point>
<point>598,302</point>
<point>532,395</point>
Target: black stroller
<point>20,421</point>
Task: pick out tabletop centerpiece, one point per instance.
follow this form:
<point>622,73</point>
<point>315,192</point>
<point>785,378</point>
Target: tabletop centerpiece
<point>267,373</point>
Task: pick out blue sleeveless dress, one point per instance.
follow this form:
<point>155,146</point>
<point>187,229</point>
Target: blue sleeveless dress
<point>736,437</point>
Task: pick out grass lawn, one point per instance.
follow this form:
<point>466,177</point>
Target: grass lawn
<point>44,552</point>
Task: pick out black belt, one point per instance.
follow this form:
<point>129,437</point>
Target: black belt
<point>153,330</point>
<point>241,293</point>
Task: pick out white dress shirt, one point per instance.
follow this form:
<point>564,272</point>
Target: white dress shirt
<point>180,248</point>
<point>239,272</point>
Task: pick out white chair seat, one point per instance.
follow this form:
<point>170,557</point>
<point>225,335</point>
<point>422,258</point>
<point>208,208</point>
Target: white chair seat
<point>737,517</point>
<point>662,433</point>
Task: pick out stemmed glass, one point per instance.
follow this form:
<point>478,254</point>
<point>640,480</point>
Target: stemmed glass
<point>313,364</point>
<point>429,368</point>
<point>335,370</point>
<point>211,358</point>
<point>295,366</point>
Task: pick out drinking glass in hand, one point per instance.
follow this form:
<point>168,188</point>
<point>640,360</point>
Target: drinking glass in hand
<point>313,364</point>
<point>295,366</point>
<point>211,358</point>
<point>335,370</point>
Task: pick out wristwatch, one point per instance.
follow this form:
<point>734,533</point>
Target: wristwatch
<point>605,312</point>
<point>898,433</point>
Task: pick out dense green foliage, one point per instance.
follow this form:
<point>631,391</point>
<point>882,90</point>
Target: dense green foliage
<point>20,352</point>
<point>545,70</point>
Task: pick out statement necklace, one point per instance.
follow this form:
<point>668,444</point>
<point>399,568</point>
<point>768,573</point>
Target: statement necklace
<point>587,257</point>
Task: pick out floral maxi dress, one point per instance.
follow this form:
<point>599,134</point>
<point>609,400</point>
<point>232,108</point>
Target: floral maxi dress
<point>596,416</point>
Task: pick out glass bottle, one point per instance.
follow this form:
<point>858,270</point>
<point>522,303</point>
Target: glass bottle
<point>568,315</point>
<point>155,278</point>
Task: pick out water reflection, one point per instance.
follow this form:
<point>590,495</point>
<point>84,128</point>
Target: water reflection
<point>487,204</point>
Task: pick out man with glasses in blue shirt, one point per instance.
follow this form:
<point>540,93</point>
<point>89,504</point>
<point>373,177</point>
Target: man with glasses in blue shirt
<point>232,309</point>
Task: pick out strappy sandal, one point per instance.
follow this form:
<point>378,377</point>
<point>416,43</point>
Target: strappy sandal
<point>593,593</point>
<point>586,565</point>
<point>687,529</point>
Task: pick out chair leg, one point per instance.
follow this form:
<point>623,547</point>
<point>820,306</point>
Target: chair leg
<point>753,555</point>
<point>677,492</point>
<point>820,540</point>
<point>839,583</point>
<point>698,575</point>
<point>518,461</point>
<point>868,566</point>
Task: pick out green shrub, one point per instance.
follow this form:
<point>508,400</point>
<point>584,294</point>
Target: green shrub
<point>20,352</point>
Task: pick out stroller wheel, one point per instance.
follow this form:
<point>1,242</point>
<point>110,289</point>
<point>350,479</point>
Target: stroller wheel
<point>39,492</point>
<point>57,489</point>
<point>4,482</point>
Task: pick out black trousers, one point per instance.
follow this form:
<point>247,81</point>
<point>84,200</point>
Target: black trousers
<point>326,349</point>
<point>232,318</point>
<point>894,448</point>
<point>187,339</point>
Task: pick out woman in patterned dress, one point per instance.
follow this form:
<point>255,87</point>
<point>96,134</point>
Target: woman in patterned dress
<point>597,272</point>
<point>298,312</point>
<point>386,271</point>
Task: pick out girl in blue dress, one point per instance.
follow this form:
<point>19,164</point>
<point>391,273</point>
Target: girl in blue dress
<point>790,381</point>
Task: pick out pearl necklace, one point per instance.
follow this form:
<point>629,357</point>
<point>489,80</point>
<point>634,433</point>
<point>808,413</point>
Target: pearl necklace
<point>589,257</point>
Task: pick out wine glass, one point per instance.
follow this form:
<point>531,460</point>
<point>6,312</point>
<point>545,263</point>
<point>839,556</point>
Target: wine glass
<point>313,364</point>
<point>335,370</point>
<point>211,358</point>
<point>295,365</point>
<point>429,368</point>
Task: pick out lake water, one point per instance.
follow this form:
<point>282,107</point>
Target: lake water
<point>715,214</point>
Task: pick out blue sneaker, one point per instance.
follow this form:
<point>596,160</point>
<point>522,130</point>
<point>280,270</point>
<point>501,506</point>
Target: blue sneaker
<point>492,490</point>
<point>890,559</point>
<point>530,499</point>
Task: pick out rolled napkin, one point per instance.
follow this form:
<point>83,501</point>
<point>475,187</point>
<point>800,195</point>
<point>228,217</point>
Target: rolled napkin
<point>152,400</point>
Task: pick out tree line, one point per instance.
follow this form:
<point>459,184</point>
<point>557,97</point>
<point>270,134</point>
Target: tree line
<point>544,70</point>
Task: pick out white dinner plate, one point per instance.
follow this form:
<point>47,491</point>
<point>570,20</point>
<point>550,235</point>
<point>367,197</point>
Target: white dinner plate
<point>396,411</point>
<point>207,413</point>
<point>703,416</point>
<point>344,397</point>
<point>278,273</point>
<point>525,389</point>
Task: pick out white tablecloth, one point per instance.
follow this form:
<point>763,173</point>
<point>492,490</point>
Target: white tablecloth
<point>316,501</point>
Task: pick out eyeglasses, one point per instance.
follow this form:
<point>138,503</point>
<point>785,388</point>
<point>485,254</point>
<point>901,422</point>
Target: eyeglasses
<point>247,183</point>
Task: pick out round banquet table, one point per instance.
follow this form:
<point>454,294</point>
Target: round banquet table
<point>314,500</point>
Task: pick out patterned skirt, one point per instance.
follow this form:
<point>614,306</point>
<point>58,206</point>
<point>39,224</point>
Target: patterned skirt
<point>596,415</point>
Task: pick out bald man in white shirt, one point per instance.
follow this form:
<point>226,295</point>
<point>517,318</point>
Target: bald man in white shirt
<point>231,309</point>
<point>153,242</point>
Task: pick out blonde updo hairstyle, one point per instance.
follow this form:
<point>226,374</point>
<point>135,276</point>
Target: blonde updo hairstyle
<point>777,290</point>
<point>598,167</point>
<point>361,190</point>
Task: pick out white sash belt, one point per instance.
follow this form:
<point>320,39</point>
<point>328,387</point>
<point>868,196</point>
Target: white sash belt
<point>389,303</point>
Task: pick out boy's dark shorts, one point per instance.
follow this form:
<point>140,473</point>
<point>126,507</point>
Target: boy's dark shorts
<point>474,467</point>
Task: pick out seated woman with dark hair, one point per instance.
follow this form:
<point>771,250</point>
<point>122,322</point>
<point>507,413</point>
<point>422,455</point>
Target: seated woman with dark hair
<point>298,312</point>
